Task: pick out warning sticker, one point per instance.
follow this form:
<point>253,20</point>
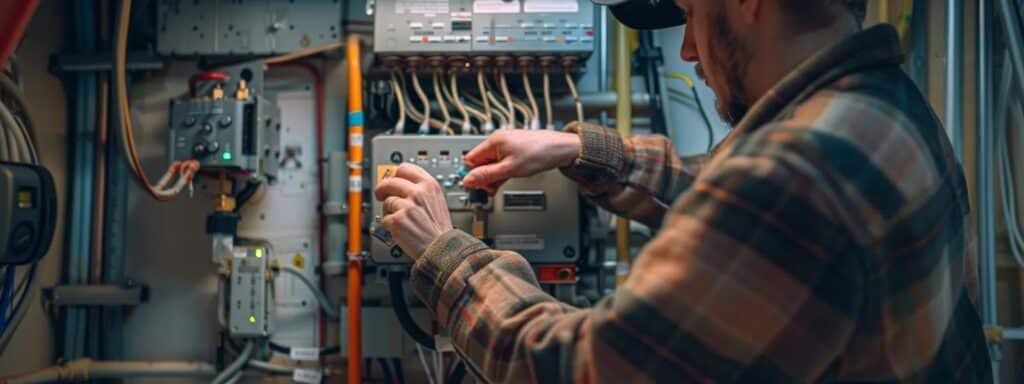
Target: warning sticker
<point>496,6</point>
<point>422,7</point>
<point>385,171</point>
<point>551,6</point>
<point>519,242</point>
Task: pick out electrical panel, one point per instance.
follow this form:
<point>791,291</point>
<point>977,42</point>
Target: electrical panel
<point>240,134</point>
<point>537,216</point>
<point>484,27</point>
<point>254,27</point>
<point>250,304</point>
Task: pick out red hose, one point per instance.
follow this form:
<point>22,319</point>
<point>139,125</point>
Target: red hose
<point>217,76</point>
<point>13,21</point>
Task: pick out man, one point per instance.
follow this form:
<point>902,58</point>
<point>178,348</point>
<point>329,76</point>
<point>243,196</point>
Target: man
<point>825,240</point>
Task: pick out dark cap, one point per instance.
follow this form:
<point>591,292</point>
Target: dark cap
<point>645,14</point>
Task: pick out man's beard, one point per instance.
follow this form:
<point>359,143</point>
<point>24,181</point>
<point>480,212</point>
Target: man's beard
<point>734,58</point>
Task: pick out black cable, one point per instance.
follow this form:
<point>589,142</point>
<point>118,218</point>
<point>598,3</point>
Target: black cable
<point>704,115</point>
<point>388,377</point>
<point>245,194</point>
<point>402,312</point>
<point>458,373</point>
<point>326,351</point>
<point>399,372</point>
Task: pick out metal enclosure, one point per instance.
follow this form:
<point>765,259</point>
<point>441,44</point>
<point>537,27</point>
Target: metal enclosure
<point>228,133</point>
<point>250,300</point>
<point>536,216</point>
<point>492,27</point>
<point>255,27</point>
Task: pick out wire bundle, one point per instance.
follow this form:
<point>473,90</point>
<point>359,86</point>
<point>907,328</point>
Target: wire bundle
<point>179,175</point>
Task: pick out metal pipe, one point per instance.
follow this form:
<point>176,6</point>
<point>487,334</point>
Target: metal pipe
<point>954,75</point>
<point>623,117</point>
<point>355,203</point>
<point>86,369</point>
<point>1014,40</point>
<point>603,102</point>
<point>985,145</point>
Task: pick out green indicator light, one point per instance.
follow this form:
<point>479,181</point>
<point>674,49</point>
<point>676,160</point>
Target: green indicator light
<point>252,319</point>
<point>259,253</point>
<point>226,155</point>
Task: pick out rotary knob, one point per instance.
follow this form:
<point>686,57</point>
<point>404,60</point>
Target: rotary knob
<point>206,129</point>
<point>225,121</point>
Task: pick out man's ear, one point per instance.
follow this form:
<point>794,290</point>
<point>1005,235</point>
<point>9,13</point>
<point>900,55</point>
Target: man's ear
<point>750,10</point>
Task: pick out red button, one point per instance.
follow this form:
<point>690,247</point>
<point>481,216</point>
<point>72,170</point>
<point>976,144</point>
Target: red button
<point>590,32</point>
<point>425,39</point>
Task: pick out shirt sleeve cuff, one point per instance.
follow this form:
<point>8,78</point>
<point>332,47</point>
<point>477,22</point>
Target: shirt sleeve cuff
<point>601,160</point>
<point>435,267</point>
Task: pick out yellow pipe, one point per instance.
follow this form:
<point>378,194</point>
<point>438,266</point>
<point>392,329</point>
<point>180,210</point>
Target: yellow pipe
<point>623,121</point>
<point>355,203</point>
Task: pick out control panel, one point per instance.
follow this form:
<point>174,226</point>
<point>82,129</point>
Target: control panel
<point>536,216</point>
<point>240,134</point>
<point>417,27</point>
<point>250,303</point>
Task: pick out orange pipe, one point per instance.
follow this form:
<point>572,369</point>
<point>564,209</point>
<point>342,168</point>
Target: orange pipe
<point>355,217</point>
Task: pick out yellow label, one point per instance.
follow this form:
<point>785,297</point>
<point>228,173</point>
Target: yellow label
<point>298,261</point>
<point>385,171</point>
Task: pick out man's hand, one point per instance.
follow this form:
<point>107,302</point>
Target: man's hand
<point>518,153</point>
<point>415,209</point>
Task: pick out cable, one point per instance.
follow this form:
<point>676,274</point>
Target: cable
<point>467,128</point>
<point>489,126</point>
<point>400,99</point>
<point>235,366</point>
<point>700,106</point>
<point>402,312</point>
<point>426,367</point>
<point>5,296</point>
<point>524,110</point>
<point>458,373</point>
<point>325,303</point>
<point>535,121</point>
<point>127,132</point>
<point>304,52</point>
<point>27,289</point>
<point>575,95</point>
<point>503,84</point>
<point>388,378</point>
<point>425,126</point>
<point>547,98</point>
<point>1007,183</point>
<point>284,349</point>
<point>440,102</point>
<point>246,194</point>
<point>501,111</point>
<point>12,90</point>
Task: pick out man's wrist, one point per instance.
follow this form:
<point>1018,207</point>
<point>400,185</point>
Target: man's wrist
<point>569,149</point>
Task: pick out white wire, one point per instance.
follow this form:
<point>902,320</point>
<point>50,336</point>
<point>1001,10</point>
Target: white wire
<point>547,98</point>
<point>440,101</point>
<point>503,84</point>
<point>426,367</point>
<point>489,126</point>
<point>325,303</point>
<point>467,127</point>
<point>575,95</point>
<point>506,122</point>
<point>535,118</point>
<point>425,126</point>
<point>400,100</point>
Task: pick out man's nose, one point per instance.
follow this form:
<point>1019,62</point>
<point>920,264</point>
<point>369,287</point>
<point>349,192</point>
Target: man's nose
<point>689,50</point>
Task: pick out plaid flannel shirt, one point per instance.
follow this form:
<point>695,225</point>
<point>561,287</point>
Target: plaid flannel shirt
<point>826,240</point>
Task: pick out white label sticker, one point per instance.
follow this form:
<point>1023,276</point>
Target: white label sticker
<point>519,242</point>
<point>551,6</point>
<point>356,139</point>
<point>622,269</point>
<point>305,354</point>
<point>423,7</point>
<point>496,6</point>
<point>307,376</point>
<point>355,183</point>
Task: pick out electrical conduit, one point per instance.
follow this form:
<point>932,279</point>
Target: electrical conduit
<point>623,119</point>
<point>355,203</point>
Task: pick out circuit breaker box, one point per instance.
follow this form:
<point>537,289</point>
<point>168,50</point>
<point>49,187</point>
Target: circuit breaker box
<point>537,216</point>
<point>486,27</point>
<point>227,133</point>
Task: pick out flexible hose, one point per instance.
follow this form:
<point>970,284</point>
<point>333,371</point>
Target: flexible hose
<point>467,128</point>
<point>325,303</point>
<point>506,117</point>
<point>235,366</point>
<point>405,319</point>
<point>400,100</point>
<point>535,120</point>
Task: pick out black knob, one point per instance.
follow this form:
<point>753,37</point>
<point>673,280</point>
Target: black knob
<point>213,147</point>
<point>225,121</point>
<point>200,150</point>
<point>206,129</point>
<point>189,121</point>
